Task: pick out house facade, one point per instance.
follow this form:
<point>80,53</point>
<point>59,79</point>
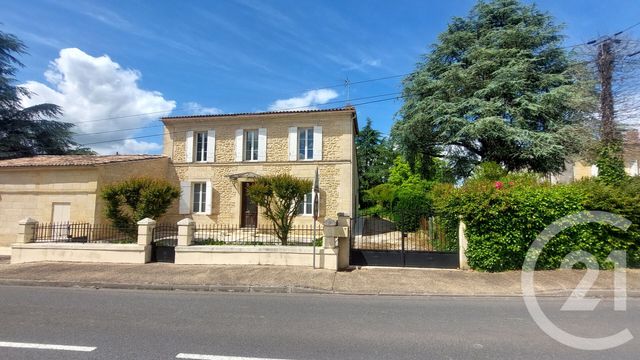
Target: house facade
<point>584,169</point>
<point>216,158</point>
<point>66,188</point>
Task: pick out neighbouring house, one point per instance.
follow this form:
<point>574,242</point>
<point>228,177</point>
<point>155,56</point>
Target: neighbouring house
<point>217,157</point>
<point>53,188</point>
<point>584,169</point>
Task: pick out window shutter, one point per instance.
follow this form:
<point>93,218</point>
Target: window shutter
<point>317,143</point>
<point>211,145</point>
<point>209,197</point>
<point>262,144</point>
<point>634,168</point>
<point>185,197</point>
<point>239,134</point>
<point>293,143</point>
<point>188,147</point>
<point>594,170</point>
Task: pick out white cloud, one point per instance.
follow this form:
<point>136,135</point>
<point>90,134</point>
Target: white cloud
<point>92,89</point>
<point>133,146</point>
<point>193,108</point>
<point>307,101</point>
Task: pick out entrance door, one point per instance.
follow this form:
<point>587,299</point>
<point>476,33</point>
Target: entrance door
<point>249,217</point>
<point>60,216</point>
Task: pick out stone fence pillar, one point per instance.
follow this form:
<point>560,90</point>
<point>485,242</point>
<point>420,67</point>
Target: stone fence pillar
<point>462,245</point>
<point>329,239</point>
<point>145,231</point>
<point>26,230</point>
<point>186,228</point>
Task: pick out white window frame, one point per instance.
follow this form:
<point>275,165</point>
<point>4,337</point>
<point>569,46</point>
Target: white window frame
<point>305,203</point>
<point>202,201</point>
<point>305,150</point>
<point>200,138</point>
<point>250,148</point>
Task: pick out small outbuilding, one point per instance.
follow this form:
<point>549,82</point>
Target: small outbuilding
<point>64,188</point>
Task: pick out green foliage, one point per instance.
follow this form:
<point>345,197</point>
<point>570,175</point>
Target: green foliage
<point>611,164</point>
<point>132,200</point>
<point>489,170</point>
<point>280,196</point>
<point>497,86</point>
<point>504,217</point>
<point>375,156</point>
<point>28,131</point>
<point>412,204</point>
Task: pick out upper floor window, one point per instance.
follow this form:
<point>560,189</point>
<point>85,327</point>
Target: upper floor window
<point>251,145</point>
<point>199,197</point>
<point>305,144</point>
<point>201,146</point>
<point>306,207</point>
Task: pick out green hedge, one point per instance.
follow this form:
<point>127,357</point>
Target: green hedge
<point>504,217</point>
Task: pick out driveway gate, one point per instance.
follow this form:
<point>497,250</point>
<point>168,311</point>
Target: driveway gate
<point>377,241</point>
<point>163,246</point>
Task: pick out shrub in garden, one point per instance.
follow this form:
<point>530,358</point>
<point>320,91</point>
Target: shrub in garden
<point>504,217</point>
<point>132,200</point>
<point>280,196</point>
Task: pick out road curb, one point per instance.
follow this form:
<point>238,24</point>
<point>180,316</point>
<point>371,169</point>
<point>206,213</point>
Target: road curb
<point>289,289</point>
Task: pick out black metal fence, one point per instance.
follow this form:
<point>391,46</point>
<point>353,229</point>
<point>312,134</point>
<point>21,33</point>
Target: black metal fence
<point>377,233</point>
<point>219,234</point>
<point>75,232</point>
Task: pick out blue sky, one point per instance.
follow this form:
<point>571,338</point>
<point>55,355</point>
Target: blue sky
<point>125,58</point>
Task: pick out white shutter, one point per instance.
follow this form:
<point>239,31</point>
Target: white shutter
<point>293,143</point>
<point>239,134</point>
<point>594,170</point>
<point>317,143</point>
<point>185,197</point>
<point>262,144</point>
<point>634,168</point>
<point>188,147</point>
<point>211,145</point>
<point>207,204</point>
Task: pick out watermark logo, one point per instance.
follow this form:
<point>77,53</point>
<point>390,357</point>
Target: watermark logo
<point>578,301</point>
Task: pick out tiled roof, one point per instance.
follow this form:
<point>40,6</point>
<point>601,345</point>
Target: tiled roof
<point>346,108</point>
<point>72,160</point>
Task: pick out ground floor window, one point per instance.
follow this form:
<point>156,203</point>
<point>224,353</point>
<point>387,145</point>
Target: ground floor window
<point>306,208</point>
<point>199,197</point>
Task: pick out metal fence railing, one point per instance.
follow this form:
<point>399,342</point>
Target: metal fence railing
<point>75,232</point>
<point>376,233</point>
<point>219,234</point>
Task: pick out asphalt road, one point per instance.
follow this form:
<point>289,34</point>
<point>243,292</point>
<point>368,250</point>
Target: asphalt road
<point>161,325</point>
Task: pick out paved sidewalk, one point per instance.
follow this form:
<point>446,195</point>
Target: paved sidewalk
<point>379,281</point>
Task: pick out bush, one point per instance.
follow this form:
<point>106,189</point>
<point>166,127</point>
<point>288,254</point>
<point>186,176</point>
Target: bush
<point>504,217</point>
<point>411,204</point>
<point>132,200</point>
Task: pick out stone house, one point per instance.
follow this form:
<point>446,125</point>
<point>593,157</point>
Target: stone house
<point>584,169</point>
<point>217,157</point>
<point>64,188</point>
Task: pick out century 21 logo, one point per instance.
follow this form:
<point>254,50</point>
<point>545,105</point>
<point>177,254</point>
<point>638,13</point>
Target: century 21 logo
<point>578,300</point>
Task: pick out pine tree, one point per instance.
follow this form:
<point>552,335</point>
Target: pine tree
<point>27,131</point>
<point>496,87</point>
<point>375,157</point>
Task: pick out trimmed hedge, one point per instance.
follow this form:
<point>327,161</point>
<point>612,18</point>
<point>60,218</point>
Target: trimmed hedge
<point>504,217</point>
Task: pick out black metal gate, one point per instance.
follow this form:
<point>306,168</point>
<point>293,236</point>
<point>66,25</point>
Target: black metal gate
<point>163,246</point>
<point>377,241</point>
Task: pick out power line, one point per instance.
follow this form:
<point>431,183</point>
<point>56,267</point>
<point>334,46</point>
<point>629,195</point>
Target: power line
<point>181,131</point>
<point>185,106</point>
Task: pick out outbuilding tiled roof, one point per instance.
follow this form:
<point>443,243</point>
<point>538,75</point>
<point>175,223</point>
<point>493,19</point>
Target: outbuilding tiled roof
<point>72,160</point>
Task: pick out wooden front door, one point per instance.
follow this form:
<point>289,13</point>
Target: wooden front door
<point>249,216</point>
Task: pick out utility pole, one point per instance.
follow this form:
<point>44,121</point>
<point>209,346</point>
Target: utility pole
<point>605,63</point>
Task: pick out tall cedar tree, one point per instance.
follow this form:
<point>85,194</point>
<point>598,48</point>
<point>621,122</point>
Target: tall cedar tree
<point>496,87</point>
<point>28,131</point>
<point>375,157</point>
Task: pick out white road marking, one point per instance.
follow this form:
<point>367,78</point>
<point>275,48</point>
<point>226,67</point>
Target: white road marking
<point>216,357</point>
<point>46,346</point>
